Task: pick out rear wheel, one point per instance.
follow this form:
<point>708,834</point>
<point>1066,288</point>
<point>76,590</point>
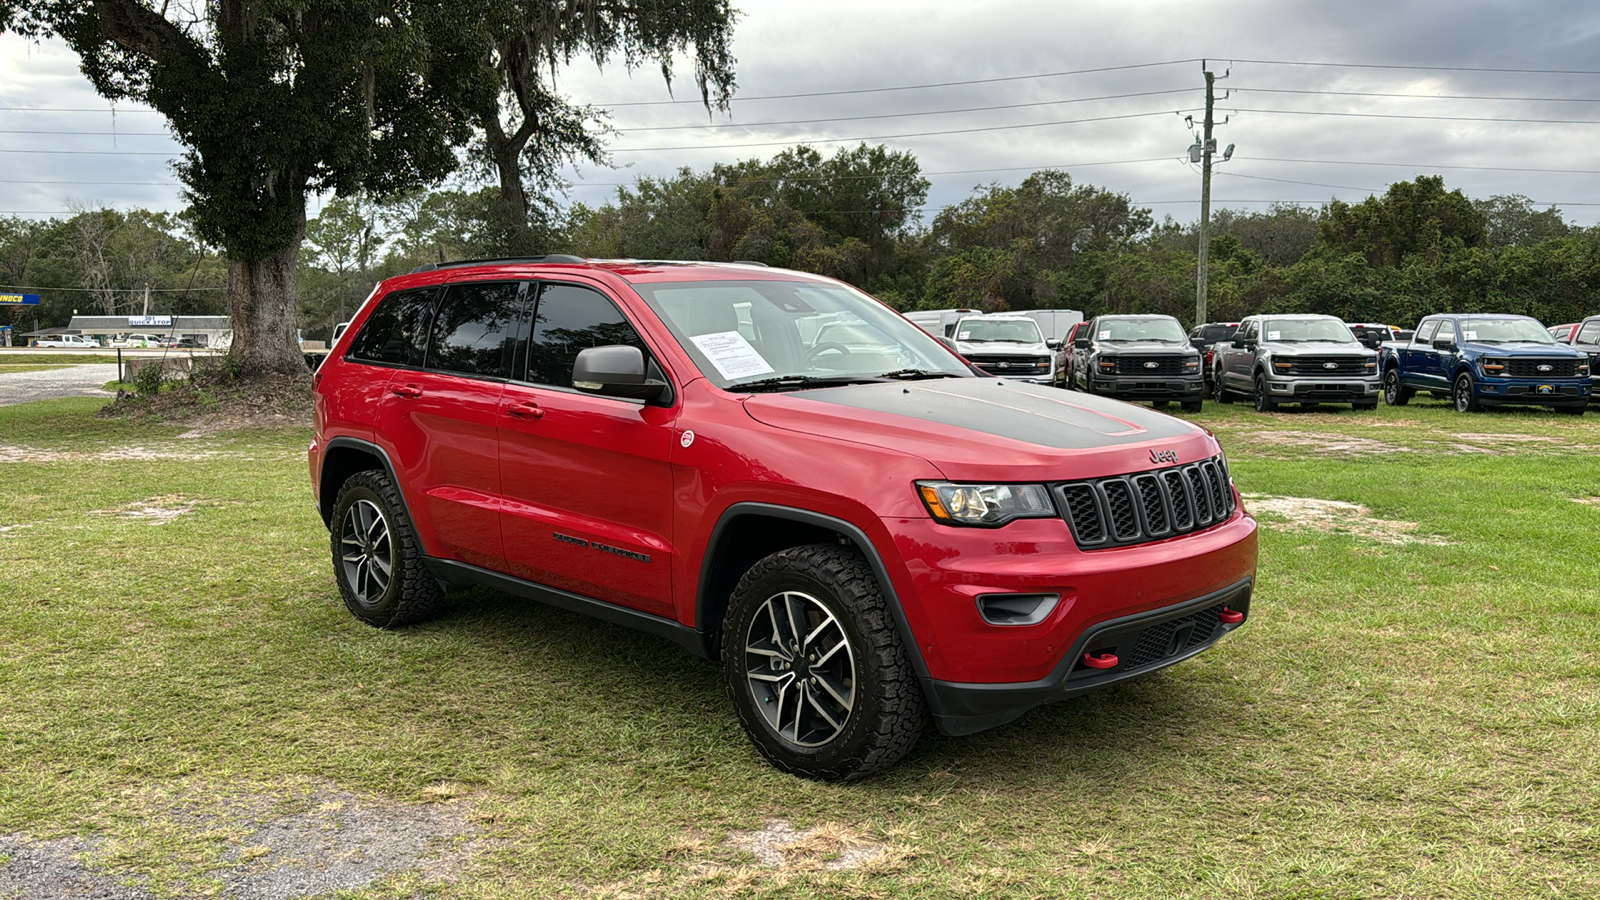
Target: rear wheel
<point>814,663</point>
<point>377,561</point>
<point>1192,405</point>
<point>1263,399</point>
<point>1464,394</point>
<point>1395,393</point>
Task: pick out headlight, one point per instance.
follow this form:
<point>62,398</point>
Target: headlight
<point>1192,364</point>
<point>987,505</point>
<point>1494,366</point>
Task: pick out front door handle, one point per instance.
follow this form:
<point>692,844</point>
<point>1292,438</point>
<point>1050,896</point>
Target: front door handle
<point>408,391</point>
<point>525,410</point>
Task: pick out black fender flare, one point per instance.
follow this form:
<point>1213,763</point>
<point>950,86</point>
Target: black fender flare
<point>848,530</point>
<point>325,506</point>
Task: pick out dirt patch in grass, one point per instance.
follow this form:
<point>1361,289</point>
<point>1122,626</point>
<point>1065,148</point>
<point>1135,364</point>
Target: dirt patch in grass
<point>305,841</point>
<point>827,847</point>
<point>155,510</point>
<point>1586,501</point>
<point>1324,442</point>
<point>1304,514</point>
<point>9,453</point>
<point>6,528</point>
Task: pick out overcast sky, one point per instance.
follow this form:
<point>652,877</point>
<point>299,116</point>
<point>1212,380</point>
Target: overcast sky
<point>1407,87</point>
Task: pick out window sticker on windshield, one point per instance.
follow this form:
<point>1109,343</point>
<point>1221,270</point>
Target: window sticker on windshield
<point>1104,336</point>
<point>732,354</point>
<point>1274,335</point>
<point>964,336</point>
<point>1469,335</point>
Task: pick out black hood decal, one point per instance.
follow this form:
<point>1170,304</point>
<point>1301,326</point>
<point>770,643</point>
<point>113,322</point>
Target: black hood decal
<point>1029,413</point>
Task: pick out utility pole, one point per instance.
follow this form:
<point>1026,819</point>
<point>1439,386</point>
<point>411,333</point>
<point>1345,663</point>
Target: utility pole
<point>1208,146</point>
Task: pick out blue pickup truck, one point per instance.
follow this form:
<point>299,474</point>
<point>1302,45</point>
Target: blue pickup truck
<point>1479,361</point>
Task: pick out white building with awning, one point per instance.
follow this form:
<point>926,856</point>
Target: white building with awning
<point>205,331</point>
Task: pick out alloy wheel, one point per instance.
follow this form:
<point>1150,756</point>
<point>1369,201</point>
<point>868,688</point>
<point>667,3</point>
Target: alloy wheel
<point>367,551</point>
<point>800,668</point>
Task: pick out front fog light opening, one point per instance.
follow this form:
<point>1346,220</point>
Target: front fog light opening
<point>1016,609</point>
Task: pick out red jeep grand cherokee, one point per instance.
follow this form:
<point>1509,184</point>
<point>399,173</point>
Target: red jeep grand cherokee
<point>774,470</point>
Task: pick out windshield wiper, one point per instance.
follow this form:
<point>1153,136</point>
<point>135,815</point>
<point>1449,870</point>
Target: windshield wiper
<point>916,374</point>
<point>784,382</point>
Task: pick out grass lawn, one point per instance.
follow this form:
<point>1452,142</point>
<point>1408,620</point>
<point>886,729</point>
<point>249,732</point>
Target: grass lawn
<point>1413,710</point>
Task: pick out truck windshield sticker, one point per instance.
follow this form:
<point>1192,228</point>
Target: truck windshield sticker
<point>1104,336</point>
<point>731,354</point>
<point>1274,335</point>
<point>1469,335</point>
<point>964,336</point>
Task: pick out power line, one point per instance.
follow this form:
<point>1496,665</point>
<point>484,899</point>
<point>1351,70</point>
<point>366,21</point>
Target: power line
<point>1355,115</point>
<point>1283,62</point>
<point>24,287</point>
<point>165,153</point>
<point>1342,187</point>
<point>918,87</point>
<point>1413,96</point>
<point>937,112</point>
<point>886,137</point>
<point>111,134</point>
<point>1423,166</point>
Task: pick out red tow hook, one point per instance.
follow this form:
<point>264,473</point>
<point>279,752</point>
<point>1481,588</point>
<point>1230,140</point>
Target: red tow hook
<point>1100,660</point>
<point>1231,616</point>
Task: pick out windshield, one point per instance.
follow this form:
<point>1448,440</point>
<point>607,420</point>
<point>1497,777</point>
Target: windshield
<point>977,331</point>
<point>1300,330</point>
<point>1162,329</point>
<point>1211,334</point>
<point>748,332</point>
<point>1504,331</point>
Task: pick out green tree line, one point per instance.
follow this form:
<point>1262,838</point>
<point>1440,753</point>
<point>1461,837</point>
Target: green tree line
<point>857,215</point>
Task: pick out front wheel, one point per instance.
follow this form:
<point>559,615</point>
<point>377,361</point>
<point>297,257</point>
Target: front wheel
<point>1395,393</point>
<point>1222,391</point>
<point>1575,409</point>
<point>1191,405</point>
<point>1263,399</point>
<point>1464,394</point>
<point>1366,404</point>
<point>377,561</point>
<point>815,665</point>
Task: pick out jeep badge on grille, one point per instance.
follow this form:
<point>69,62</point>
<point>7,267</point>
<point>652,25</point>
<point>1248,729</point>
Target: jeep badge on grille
<point>1163,456</point>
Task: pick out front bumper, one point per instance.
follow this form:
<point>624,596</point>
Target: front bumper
<point>1325,390</point>
<point>1167,387</point>
<point>1528,392</point>
<point>1140,643</point>
<point>981,674</point>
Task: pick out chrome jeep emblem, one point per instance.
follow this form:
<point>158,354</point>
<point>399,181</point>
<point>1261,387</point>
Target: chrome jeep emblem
<point>1330,365</point>
<point>1163,456</point>
<point>1152,365</point>
<point>1546,367</point>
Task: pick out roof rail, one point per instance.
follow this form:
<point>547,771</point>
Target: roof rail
<point>501,260</point>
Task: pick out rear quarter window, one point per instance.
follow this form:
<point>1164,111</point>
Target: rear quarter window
<point>397,331</point>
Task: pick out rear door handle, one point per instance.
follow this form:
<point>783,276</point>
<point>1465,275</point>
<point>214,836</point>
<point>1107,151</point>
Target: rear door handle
<point>408,391</point>
<point>525,410</point>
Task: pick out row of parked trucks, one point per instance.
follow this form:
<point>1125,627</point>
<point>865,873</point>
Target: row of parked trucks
<point>1474,360</point>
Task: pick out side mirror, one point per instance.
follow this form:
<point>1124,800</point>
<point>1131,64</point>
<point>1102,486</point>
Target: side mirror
<point>1081,343</point>
<point>1444,343</point>
<point>949,344</point>
<point>615,371</point>
<point>1240,343</point>
<point>1053,343</point>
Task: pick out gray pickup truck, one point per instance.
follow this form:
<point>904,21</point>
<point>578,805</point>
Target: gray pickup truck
<point>1304,359</point>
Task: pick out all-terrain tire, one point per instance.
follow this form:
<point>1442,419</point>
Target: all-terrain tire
<point>377,561</point>
<point>834,641</point>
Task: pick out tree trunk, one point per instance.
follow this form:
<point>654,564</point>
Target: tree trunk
<point>510,223</point>
<point>262,302</point>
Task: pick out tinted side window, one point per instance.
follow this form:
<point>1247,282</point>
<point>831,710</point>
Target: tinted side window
<point>475,329</point>
<point>397,330</point>
<point>569,319</point>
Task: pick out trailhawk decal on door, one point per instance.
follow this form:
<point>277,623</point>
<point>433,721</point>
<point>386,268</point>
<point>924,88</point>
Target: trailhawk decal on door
<point>603,548</point>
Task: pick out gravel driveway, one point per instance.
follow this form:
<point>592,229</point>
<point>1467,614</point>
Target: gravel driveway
<point>75,381</point>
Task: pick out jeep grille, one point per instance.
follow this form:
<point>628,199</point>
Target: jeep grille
<point>1146,506</point>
